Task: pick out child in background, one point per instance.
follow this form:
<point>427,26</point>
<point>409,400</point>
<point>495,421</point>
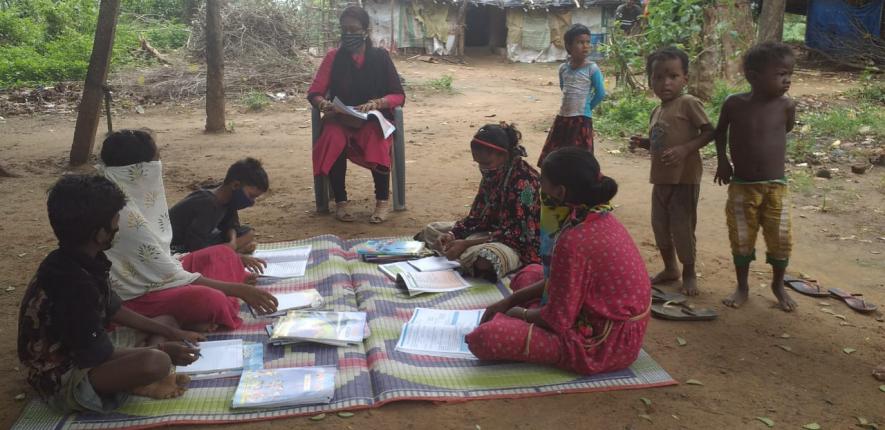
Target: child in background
<point>72,362</point>
<point>755,126</point>
<point>582,88</point>
<point>679,129</point>
<point>209,217</point>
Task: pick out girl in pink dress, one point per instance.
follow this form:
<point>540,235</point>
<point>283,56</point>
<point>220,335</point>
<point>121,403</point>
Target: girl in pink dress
<point>591,314</point>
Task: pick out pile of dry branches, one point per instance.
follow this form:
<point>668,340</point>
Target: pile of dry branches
<point>260,50</point>
<point>861,50</point>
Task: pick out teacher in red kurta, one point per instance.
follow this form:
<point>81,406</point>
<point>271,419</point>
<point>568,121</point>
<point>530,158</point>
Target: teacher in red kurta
<point>364,77</point>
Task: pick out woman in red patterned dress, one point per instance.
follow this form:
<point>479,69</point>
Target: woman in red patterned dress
<point>591,314</point>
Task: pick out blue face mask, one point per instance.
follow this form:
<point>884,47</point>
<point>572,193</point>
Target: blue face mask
<point>240,200</point>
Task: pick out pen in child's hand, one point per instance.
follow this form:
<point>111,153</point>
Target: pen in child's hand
<point>190,344</point>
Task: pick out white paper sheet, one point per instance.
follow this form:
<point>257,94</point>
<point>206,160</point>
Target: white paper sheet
<point>434,264</point>
<point>216,356</point>
<point>386,127</point>
<point>285,263</point>
<point>439,332</point>
<point>434,282</point>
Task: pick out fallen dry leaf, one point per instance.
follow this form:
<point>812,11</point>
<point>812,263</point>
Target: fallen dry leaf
<point>319,417</point>
<point>694,382</point>
<point>681,341</point>
<point>767,421</point>
<point>646,417</point>
<point>785,348</point>
<point>848,350</point>
<point>811,426</point>
<point>645,401</point>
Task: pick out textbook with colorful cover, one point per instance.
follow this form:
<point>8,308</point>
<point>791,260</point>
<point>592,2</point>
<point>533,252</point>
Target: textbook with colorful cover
<point>374,249</point>
<point>330,328</point>
<point>293,386</point>
<point>306,299</point>
<point>286,262</point>
<point>431,282</point>
<point>439,332</point>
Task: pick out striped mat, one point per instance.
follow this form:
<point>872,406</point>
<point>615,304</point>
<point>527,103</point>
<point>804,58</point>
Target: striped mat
<point>369,375</point>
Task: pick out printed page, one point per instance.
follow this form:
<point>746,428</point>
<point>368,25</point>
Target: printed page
<point>394,269</point>
<point>439,332</point>
<point>434,282</point>
<point>216,356</point>
<point>285,263</point>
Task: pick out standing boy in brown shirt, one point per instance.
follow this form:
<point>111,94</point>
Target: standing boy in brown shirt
<point>755,126</point>
<point>679,129</point>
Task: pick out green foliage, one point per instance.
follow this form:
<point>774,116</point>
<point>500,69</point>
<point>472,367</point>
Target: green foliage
<point>794,28</point>
<point>166,10</point>
<point>845,123</point>
<point>624,113</point>
<point>670,23</point>
<point>800,181</point>
<point>46,41</point>
<point>443,83</point>
<point>255,101</point>
<point>870,92</point>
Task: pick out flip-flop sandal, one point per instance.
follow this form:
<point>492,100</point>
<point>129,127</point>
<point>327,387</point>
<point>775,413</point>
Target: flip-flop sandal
<point>382,210</point>
<point>675,312</point>
<point>807,287</point>
<point>659,295</point>
<point>854,301</point>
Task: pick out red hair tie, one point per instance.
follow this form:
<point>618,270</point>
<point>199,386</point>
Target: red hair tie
<point>488,145</point>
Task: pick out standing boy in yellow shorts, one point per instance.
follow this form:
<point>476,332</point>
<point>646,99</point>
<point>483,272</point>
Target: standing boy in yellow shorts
<point>755,126</point>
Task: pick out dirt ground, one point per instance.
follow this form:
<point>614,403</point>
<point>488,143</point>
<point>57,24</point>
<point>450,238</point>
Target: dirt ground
<point>738,358</point>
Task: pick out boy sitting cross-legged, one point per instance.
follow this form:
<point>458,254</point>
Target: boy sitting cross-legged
<point>62,340</point>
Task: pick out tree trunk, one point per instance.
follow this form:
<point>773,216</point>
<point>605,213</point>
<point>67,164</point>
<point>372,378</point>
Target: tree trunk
<point>771,21</point>
<point>214,68</point>
<point>706,67</point>
<point>90,104</point>
<point>738,38</point>
<point>462,27</point>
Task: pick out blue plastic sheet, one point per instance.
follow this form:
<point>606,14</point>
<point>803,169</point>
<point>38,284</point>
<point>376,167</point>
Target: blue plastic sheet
<point>831,20</point>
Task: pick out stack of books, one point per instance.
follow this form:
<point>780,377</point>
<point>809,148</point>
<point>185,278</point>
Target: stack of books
<point>330,328</point>
<point>391,250</point>
<point>294,386</point>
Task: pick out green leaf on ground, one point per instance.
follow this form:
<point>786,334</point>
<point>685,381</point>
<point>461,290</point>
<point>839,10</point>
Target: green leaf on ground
<point>848,350</point>
<point>681,341</point>
<point>865,424</point>
<point>811,426</point>
<point>645,401</point>
<point>882,388</point>
<point>646,417</point>
<point>694,382</point>
<point>319,417</point>
<point>767,421</point>
<point>785,348</point>
<point>345,414</point>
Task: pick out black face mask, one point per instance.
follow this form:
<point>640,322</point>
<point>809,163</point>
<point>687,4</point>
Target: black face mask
<point>352,42</point>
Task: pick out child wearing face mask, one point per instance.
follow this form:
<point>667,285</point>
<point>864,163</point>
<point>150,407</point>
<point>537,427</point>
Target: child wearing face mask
<point>500,234</point>
<point>209,217</point>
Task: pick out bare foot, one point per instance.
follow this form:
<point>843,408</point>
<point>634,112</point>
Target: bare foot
<point>165,388</point>
<point>665,276</point>
<point>879,373</point>
<point>689,287</point>
<point>182,380</point>
<point>784,300</point>
<point>737,299</point>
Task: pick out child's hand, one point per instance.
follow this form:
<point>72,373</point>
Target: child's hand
<point>252,264</point>
<point>675,155</point>
<point>181,354</point>
<point>262,301</point>
<point>445,240</point>
<point>499,307</point>
<point>724,174</point>
<point>187,336</point>
<point>454,249</point>
<point>637,141</point>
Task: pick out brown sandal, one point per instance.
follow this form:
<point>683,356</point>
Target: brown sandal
<point>382,209</point>
<point>342,213</point>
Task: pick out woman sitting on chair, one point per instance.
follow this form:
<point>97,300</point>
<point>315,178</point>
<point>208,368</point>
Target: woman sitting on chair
<point>364,77</point>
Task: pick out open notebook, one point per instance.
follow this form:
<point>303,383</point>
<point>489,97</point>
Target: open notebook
<point>285,263</point>
<point>219,357</point>
<point>439,332</point>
